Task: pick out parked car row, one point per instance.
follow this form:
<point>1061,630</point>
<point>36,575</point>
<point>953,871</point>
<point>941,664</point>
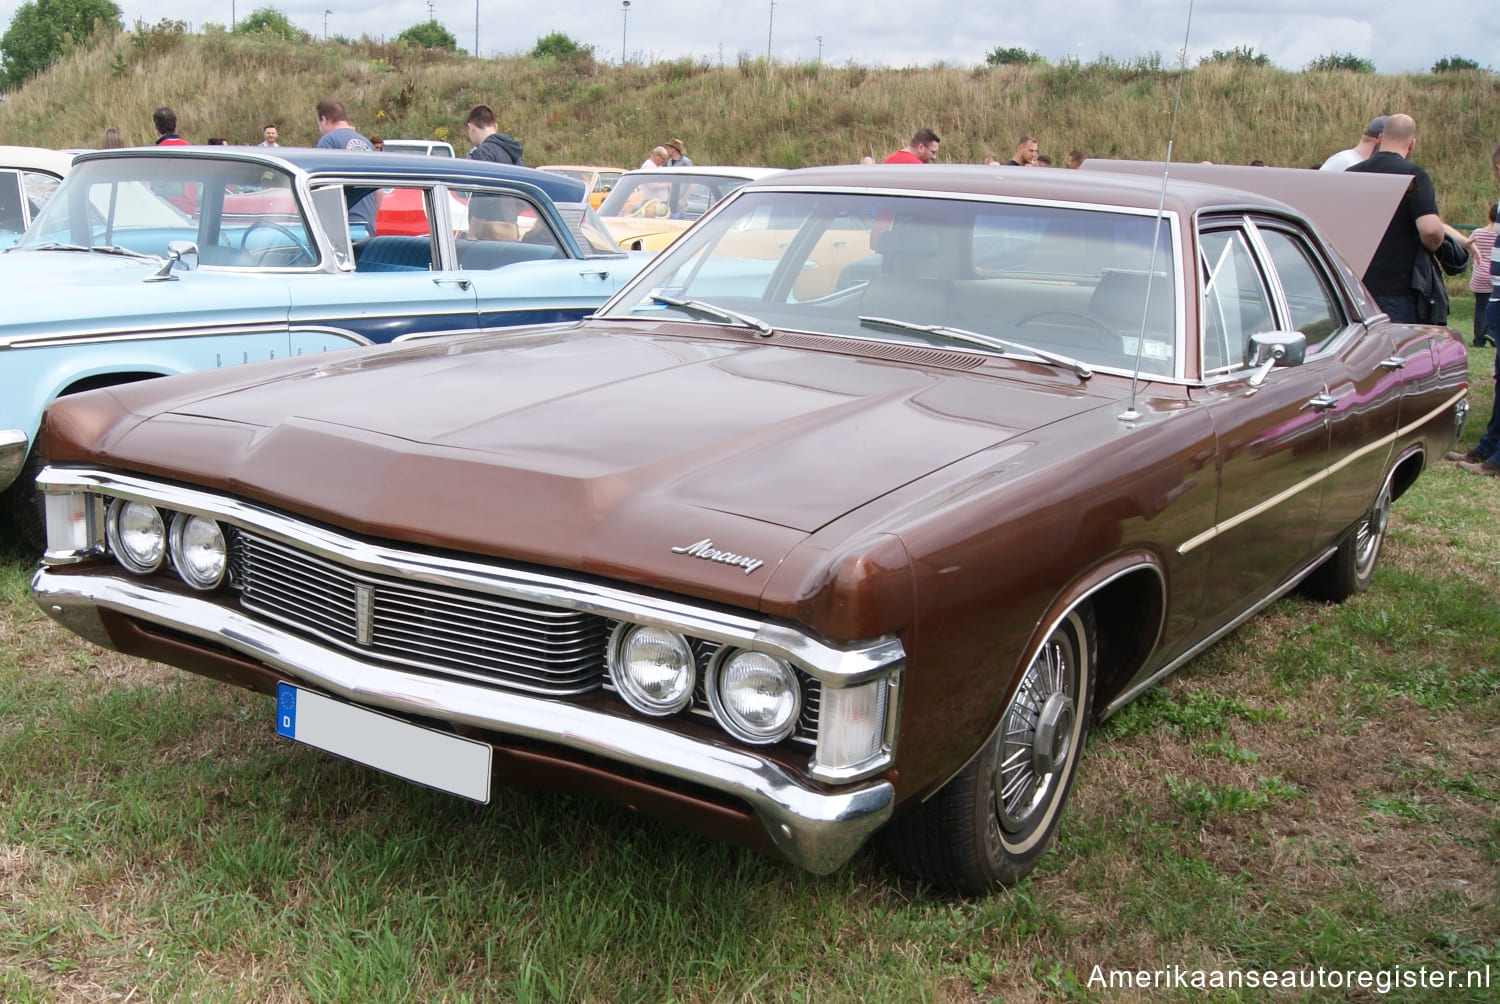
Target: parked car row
<point>148,262</point>
<point>849,514</point>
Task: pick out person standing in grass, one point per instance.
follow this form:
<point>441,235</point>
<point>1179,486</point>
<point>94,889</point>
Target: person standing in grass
<point>922,149</point>
<point>1414,228</point>
<point>1025,155</point>
<point>338,134</point>
<point>489,142</point>
<point>1345,159</point>
<point>164,119</point>
<point>1480,275</point>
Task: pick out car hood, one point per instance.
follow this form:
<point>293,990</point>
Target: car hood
<point>77,292</point>
<point>603,448</point>
<point>628,229</point>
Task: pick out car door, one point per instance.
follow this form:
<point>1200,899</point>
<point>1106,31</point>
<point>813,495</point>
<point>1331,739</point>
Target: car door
<point>1272,438</point>
<point>402,283</point>
<point>1361,397</point>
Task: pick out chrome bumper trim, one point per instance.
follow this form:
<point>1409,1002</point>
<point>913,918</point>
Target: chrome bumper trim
<point>817,831</point>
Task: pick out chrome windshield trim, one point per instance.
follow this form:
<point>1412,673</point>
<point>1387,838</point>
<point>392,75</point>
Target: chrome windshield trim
<point>817,830</point>
<point>835,666</point>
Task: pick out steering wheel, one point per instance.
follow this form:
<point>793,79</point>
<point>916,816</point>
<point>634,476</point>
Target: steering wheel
<point>302,255</point>
<point>1061,312</point>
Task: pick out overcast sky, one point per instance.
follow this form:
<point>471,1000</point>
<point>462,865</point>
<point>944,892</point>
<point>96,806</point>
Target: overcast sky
<point>1396,37</point>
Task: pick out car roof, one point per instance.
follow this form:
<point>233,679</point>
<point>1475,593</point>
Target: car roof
<point>36,158</point>
<point>1350,210</point>
<point>314,161</point>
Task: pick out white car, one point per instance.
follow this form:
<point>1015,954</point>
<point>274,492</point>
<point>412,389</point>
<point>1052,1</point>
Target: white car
<point>28,177</point>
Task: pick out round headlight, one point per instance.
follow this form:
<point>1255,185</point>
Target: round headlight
<point>653,669</point>
<point>755,696</point>
<point>137,536</point>
<point>198,551</point>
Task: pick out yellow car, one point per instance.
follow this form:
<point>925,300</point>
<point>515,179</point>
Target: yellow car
<point>649,208</point>
<point>599,179</point>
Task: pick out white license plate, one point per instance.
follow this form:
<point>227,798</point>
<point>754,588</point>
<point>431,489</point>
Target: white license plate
<point>435,759</point>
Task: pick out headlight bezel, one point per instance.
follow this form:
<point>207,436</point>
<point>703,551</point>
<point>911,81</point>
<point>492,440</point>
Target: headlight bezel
<point>631,689</point>
<point>732,720</point>
<point>181,524</point>
<point>125,555</point>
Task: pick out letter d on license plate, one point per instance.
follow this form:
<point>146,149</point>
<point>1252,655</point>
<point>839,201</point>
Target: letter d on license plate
<point>427,757</point>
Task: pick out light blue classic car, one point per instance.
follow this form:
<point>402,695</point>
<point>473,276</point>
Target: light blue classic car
<point>147,262</point>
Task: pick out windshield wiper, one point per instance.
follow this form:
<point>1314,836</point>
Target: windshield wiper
<point>993,342</point>
<point>113,249</point>
<point>709,312</point>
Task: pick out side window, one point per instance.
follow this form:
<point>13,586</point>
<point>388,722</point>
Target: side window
<point>38,188</point>
<point>500,230</point>
<point>1314,309</point>
<point>1235,305</point>
<point>12,213</point>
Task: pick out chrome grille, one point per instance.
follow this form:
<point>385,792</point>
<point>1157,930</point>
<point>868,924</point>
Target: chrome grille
<point>455,632</point>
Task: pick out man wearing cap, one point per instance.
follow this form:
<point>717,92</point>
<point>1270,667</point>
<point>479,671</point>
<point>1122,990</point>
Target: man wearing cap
<point>1345,159</point>
<point>675,155</point>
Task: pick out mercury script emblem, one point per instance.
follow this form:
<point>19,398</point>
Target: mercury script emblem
<point>705,549</point>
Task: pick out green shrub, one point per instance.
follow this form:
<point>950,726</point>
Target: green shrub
<point>270,21</point>
<point>1345,61</point>
<point>1012,55</point>
<point>1454,64</point>
<point>429,35</point>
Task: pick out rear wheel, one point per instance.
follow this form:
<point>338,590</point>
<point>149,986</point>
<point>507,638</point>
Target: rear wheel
<point>990,825</point>
<point>1350,569</point>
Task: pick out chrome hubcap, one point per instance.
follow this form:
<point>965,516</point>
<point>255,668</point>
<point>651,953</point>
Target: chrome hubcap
<point>1370,533</point>
<point>1036,735</point>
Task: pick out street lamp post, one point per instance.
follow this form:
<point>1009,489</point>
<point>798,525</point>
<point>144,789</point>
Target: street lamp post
<point>325,24</point>
<point>770,20</point>
<point>624,27</point>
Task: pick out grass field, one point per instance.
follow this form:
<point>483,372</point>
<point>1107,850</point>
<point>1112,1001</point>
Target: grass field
<point>1319,790</point>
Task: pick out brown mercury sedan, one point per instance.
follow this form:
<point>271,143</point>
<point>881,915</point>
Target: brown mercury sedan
<point>852,512</point>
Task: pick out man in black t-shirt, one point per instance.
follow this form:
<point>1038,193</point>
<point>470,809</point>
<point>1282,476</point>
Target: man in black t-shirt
<point>1415,227</point>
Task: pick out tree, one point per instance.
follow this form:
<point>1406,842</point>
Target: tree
<point>1345,61</point>
<point>1012,55</point>
<point>42,29</point>
<point>429,35</point>
<point>270,21</point>
<point>1454,64</point>
<point>555,46</point>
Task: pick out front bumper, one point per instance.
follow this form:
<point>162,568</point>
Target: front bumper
<point>817,830</point>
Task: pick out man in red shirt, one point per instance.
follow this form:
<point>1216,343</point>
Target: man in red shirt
<point>165,121</point>
<point>922,149</point>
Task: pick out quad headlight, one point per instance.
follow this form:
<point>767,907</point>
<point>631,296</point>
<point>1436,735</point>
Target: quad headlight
<point>653,669</point>
<point>199,552</point>
<point>755,697</point>
<point>137,536</point>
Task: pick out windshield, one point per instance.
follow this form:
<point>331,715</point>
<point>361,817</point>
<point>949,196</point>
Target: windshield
<point>677,195</point>
<point>237,213</point>
<point>1067,280</point>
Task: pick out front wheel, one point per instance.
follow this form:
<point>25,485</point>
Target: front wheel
<point>990,825</point>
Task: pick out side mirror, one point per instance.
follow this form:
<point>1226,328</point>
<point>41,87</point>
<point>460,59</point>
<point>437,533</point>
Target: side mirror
<point>1276,348</point>
<point>185,252</point>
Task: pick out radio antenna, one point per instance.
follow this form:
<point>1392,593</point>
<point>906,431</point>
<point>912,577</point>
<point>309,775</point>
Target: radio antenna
<point>1130,414</point>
